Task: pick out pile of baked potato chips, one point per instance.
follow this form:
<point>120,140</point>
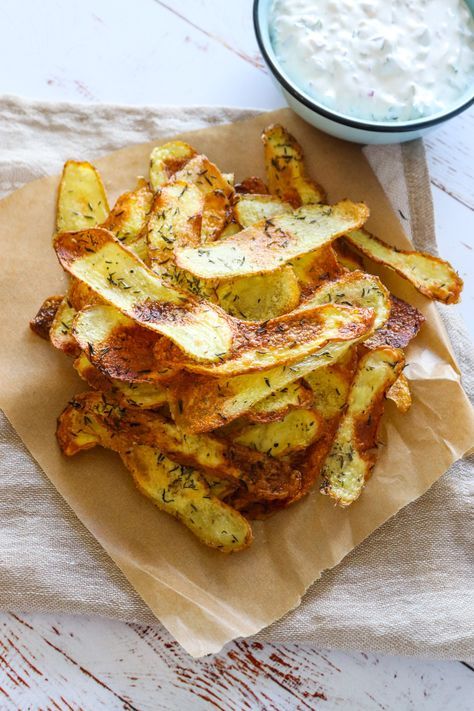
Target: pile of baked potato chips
<point>237,352</point>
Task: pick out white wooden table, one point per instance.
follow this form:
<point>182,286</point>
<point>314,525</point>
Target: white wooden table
<point>200,52</point>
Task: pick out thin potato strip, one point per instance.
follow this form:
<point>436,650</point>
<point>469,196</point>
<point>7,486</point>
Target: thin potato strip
<point>115,274</point>
<point>215,214</point>
<point>251,185</point>
<point>166,160</point>
<point>250,209</point>
<point>201,403</point>
<point>205,176</point>
<point>285,169</point>
<point>175,221</point>
<point>260,297</point>
<point>117,346</point>
<point>274,407</point>
<point>347,257</point>
<point>270,244</point>
<point>431,276</point>
<point>176,489</point>
<point>400,393</point>
<point>352,455</point>
<point>42,322</point>
<point>402,326</point>
<point>144,395</point>
<point>354,289</point>
<point>294,432</point>
<point>280,341</point>
<point>129,215</point>
<point>60,333</point>
<point>82,201</point>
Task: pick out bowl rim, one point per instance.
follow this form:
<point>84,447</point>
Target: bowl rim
<point>313,105</point>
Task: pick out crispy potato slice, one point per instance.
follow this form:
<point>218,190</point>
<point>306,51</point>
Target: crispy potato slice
<point>330,385</point>
<point>230,229</point>
<point>251,185</point>
<point>431,276</point>
<point>253,208</point>
<point>117,346</point>
<point>175,221</point>
<point>270,244</point>
<point>280,341</point>
<point>177,489</point>
<point>42,322</point>
<point>215,214</point>
<point>129,216</point>
<point>402,326</point>
<point>144,395</point>
<point>354,289</point>
<point>205,176</point>
<point>166,160</point>
<point>183,492</point>
<point>310,269</point>
<point>347,257</point>
<point>400,393</point>
<point>60,333</point>
<point>201,403</point>
<point>274,407</point>
<point>260,297</point>
<point>285,170</point>
<point>352,455</point>
<point>296,431</point>
<point>82,201</point>
<point>95,257</point>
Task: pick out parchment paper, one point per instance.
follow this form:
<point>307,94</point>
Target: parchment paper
<point>201,596</point>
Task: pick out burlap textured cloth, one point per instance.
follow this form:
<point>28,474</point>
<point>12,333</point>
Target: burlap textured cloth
<point>407,589</point>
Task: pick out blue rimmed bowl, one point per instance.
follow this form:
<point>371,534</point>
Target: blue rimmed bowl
<point>337,124</point>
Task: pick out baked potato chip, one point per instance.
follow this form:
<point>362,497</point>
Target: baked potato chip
<point>347,257</point>
<point>42,322</point>
<point>270,244</point>
<point>95,257</point>
<point>129,216</point>
<point>431,276</point>
<point>177,489</point>
<point>281,341</point>
<point>117,346</point>
<point>260,297</point>
<point>215,215</point>
<point>60,333</point>
<point>175,221</point>
<point>251,185</point>
<point>355,289</point>
<point>296,431</point>
<point>274,407</point>
<point>402,326</point>
<point>253,208</point>
<point>330,385</point>
<point>285,170</point>
<point>204,175</point>
<point>144,395</point>
<point>400,393</point>
<point>201,403</point>
<point>352,455</point>
<point>82,201</point>
<point>166,160</point>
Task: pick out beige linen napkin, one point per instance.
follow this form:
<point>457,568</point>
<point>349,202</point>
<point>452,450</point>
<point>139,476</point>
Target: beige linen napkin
<point>407,589</point>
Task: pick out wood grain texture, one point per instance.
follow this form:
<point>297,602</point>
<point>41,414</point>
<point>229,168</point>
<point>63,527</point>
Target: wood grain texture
<point>201,52</point>
<point>68,663</point>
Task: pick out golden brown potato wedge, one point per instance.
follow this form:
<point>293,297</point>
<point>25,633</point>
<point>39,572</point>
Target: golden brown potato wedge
<point>285,169</point>
<point>353,455</point>
<point>431,276</point>
<point>270,244</point>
